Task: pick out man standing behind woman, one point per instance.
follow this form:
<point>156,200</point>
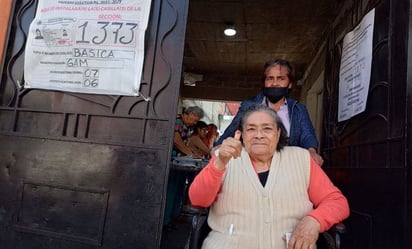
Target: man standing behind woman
<point>278,78</point>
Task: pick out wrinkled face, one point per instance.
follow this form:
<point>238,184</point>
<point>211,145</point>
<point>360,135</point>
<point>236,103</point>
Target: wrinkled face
<point>190,119</point>
<point>260,134</point>
<point>277,76</point>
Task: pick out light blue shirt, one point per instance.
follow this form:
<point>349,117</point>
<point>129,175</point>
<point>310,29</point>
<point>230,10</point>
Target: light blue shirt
<point>283,114</point>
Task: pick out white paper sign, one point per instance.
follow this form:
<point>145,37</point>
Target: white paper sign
<point>355,68</point>
<point>87,46</point>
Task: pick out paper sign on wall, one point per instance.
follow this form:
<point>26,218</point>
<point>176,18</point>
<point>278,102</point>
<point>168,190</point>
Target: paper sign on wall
<point>87,46</point>
<point>355,68</point>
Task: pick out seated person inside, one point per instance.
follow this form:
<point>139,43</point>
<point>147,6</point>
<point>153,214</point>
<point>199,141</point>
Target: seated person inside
<point>212,134</point>
<point>198,140</point>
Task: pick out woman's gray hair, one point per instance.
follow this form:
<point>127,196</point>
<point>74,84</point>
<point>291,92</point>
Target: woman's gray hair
<point>283,138</point>
<point>196,110</point>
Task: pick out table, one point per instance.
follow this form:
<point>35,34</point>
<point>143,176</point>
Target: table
<point>185,168</point>
<point>188,164</point>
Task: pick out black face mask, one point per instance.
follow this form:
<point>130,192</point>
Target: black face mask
<point>274,94</point>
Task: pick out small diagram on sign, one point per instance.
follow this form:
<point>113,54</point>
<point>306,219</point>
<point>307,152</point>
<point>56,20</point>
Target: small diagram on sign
<point>38,34</point>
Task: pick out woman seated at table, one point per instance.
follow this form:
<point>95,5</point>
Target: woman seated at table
<point>198,140</point>
<point>212,135</point>
<point>258,189</point>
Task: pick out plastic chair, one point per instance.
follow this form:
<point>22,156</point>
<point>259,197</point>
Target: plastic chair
<point>330,239</point>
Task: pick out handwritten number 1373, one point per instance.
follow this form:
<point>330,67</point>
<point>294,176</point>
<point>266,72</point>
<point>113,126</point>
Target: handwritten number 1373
<point>115,27</point>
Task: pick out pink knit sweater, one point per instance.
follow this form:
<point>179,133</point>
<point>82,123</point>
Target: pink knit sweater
<point>330,206</point>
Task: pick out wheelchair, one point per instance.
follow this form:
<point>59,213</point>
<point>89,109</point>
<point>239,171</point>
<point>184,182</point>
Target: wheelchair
<point>330,239</point>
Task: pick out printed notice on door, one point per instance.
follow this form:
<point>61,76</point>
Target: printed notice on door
<point>355,68</point>
<point>87,46</point>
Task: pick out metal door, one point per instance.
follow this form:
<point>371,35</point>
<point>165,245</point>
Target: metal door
<point>84,171</point>
<point>366,156</point>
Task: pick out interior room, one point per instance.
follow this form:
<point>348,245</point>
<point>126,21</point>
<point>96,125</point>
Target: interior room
<point>226,68</point>
<point>221,69</point>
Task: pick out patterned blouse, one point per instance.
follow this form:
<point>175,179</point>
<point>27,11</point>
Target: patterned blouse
<point>184,131</point>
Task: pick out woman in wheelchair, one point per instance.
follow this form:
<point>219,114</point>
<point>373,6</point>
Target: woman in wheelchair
<point>259,190</point>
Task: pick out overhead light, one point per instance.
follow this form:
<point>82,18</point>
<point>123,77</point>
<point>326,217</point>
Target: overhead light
<point>229,30</point>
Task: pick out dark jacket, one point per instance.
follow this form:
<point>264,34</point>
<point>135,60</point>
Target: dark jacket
<point>302,133</point>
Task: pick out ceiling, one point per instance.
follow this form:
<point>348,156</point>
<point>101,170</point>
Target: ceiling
<point>291,30</point>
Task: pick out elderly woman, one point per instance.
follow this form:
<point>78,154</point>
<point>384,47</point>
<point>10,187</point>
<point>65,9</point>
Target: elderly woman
<point>262,190</point>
